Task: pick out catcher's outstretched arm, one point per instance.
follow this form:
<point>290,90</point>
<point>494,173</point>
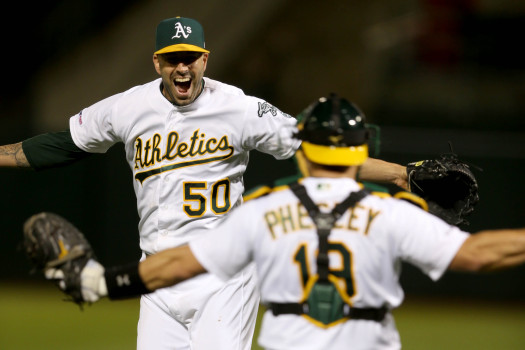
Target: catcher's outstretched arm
<point>13,156</point>
<point>377,170</point>
<point>169,267</point>
<point>491,250</point>
<point>163,269</point>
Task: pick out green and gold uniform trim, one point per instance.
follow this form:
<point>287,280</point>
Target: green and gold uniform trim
<point>412,198</point>
<point>262,191</point>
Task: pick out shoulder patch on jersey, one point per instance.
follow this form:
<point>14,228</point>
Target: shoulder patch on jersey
<point>412,198</point>
<point>265,107</point>
<point>80,117</point>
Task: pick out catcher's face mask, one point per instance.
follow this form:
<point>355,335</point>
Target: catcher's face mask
<point>333,132</point>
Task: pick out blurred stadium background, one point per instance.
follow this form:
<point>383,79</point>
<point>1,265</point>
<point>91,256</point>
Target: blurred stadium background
<point>428,72</point>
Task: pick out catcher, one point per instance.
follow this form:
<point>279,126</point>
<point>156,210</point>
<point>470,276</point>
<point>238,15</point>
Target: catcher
<point>346,294</point>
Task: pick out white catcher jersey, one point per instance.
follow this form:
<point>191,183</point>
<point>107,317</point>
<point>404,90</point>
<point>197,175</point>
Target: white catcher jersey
<point>187,161</point>
<point>366,249</point>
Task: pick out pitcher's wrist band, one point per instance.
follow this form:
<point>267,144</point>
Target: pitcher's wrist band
<point>124,281</point>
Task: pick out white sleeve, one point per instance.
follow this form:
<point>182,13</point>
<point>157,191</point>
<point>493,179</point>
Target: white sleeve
<point>425,240</point>
<point>91,129</point>
<point>269,130</point>
<point>227,249</point>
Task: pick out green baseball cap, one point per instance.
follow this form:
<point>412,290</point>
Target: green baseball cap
<point>179,34</point>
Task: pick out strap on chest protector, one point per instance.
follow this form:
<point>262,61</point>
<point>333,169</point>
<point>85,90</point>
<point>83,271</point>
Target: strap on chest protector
<point>324,302</point>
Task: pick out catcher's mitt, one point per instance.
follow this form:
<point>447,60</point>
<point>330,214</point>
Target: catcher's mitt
<point>447,184</point>
<point>53,244</point>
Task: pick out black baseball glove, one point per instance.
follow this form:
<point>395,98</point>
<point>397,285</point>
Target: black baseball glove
<point>447,184</point>
<point>54,244</point>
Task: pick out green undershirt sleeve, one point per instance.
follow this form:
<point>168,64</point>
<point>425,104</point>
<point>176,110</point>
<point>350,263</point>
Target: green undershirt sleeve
<point>52,150</point>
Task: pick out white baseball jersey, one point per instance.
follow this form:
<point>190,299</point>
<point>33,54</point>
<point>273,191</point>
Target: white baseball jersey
<point>366,249</point>
<point>187,164</point>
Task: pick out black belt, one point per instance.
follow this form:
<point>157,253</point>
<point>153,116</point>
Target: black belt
<point>371,314</point>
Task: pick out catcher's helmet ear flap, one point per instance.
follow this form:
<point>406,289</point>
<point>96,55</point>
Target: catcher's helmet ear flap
<point>333,132</point>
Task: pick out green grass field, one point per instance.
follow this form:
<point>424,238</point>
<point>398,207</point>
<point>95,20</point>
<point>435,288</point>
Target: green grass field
<point>33,316</point>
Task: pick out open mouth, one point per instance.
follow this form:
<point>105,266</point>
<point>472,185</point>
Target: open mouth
<point>182,85</point>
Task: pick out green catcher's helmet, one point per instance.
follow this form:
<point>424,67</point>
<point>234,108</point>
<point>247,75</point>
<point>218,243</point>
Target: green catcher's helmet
<point>333,132</point>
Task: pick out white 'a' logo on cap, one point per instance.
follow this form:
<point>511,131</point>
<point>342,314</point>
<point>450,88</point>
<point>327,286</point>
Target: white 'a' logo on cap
<point>180,30</point>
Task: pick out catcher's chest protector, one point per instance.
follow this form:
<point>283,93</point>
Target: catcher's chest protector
<point>323,298</point>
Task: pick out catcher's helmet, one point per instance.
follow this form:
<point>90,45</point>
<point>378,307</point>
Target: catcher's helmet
<point>333,132</point>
